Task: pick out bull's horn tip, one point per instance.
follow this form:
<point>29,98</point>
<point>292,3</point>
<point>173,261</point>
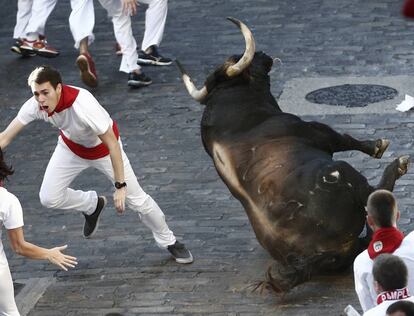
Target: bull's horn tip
<point>234,20</point>
<point>180,67</point>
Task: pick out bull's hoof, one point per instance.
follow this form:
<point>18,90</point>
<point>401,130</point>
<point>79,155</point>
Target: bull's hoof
<point>380,147</point>
<point>273,283</point>
<point>403,163</point>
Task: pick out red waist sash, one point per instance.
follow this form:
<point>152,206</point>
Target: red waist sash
<point>90,153</point>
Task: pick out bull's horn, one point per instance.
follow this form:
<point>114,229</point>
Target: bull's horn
<point>197,95</point>
<point>248,55</point>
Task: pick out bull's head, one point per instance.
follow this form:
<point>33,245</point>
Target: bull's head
<point>234,66</point>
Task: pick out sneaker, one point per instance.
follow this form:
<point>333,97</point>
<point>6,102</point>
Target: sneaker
<point>118,49</point>
<point>92,221</point>
<point>38,47</point>
<point>138,80</point>
<point>87,70</point>
<point>15,48</point>
<point>153,58</point>
<point>180,253</point>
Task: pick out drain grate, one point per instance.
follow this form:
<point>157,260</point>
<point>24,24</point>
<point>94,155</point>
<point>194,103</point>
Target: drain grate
<point>352,95</point>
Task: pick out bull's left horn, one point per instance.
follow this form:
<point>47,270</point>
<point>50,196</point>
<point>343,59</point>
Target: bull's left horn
<point>197,94</point>
<point>248,55</point>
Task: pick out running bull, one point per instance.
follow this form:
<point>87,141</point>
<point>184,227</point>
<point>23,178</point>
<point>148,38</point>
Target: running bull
<point>306,209</point>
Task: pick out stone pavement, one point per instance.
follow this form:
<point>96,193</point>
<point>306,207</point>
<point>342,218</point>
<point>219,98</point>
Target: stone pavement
<point>121,270</point>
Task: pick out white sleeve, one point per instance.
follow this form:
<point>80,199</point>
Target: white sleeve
<point>13,214</point>
<point>29,112</point>
<point>362,282</point>
<point>92,113</point>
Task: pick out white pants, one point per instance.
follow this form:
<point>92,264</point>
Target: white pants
<point>63,168</point>
<point>7,303</point>
<point>82,21</point>
<point>155,18</point>
<point>32,16</point>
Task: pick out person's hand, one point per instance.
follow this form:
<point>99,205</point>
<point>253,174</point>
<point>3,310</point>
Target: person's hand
<point>129,7</point>
<point>119,199</point>
<point>58,258</point>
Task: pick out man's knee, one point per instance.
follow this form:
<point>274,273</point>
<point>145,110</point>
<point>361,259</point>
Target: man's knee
<point>148,206</point>
<point>49,200</point>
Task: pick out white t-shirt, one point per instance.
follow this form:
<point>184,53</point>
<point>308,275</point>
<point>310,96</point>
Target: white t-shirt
<point>364,282</point>
<point>11,216</point>
<point>381,309</point>
<point>82,118</point>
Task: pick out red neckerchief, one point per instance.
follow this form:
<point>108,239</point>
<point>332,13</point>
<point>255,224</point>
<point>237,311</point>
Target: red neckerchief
<point>393,295</point>
<point>1,183</point>
<point>67,97</point>
<point>385,240</point>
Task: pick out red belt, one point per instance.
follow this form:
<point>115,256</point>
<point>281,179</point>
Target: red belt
<point>90,153</point>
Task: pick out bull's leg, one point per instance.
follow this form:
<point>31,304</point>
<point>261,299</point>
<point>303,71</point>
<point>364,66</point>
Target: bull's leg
<point>332,141</point>
<point>393,172</point>
<point>281,278</point>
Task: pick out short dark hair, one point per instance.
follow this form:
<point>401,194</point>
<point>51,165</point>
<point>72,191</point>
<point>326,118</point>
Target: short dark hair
<point>5,170</point>
<point>390,272</point>
<point>44,74</point>
<point>406,307</point>
<point>382,206</point>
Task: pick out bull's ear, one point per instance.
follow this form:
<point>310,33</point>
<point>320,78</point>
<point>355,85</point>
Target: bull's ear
<point>267,62</point>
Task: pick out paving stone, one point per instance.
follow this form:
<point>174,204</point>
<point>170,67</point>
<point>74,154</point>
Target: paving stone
<point>122,270</point>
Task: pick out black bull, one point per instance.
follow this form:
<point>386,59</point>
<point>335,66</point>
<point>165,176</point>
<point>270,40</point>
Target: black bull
<point>306,209</point>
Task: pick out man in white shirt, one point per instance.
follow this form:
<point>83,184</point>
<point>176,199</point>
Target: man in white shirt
<point>11,217</point>
<point>88,138</point>
<point>382,217</point>
<point>390,283</point>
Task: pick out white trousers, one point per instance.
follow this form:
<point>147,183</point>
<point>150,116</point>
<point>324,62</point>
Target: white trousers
<point>32,16</point>
<point>7,303</point>
<point>155,18</point>
<point>63,168</point>
<point>82,21</point>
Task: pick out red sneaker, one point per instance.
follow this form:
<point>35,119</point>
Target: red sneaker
<point>87,70</point>
<point>39,47</point>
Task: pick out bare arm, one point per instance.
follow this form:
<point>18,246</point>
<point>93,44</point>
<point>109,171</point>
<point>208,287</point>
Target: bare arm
<point>109,139</point>
<point>26,249</point>
<point>10,132</point>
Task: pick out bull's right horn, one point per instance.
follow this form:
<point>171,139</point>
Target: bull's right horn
<point>197,95</point>
<point>248,55</point>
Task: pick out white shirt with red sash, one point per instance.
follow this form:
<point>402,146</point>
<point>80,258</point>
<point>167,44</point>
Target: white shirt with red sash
<point>385,299</point>
<point>364,282</point>
<point>78,115</point>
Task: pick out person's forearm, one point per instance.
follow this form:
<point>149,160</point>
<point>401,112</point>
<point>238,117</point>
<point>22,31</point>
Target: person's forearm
<point>117,162</point>
<point>30,250</point>
<point>10,132</point>
<point>3,141</point>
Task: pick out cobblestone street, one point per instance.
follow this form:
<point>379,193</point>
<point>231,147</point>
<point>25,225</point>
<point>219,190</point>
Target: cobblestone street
<point>121,269</point>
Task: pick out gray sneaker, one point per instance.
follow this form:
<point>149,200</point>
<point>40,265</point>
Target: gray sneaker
<point>92,221</point>
<point>180,253</point>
